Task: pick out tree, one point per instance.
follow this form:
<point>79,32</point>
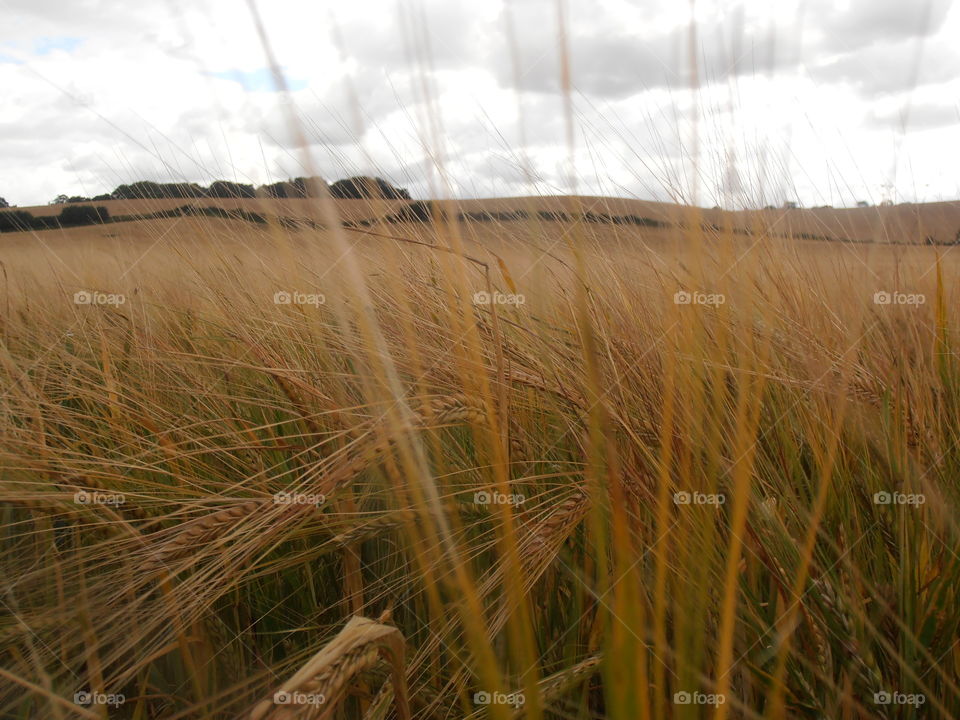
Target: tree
<point>149,190</point>
<point>363,187</point>
<point>84,215</point>
<point>278,190</point>
<point>4,203</point>
<point>227,189</point>
<point>15,220</point>
<point>60,200</point>
<point>300,187</point>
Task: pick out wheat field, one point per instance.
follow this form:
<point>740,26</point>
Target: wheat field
<point>520,445</point>
<point>470,470</point>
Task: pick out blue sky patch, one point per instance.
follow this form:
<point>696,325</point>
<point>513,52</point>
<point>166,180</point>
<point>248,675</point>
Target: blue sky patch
<point>259,80</point>
<point>46,45</point>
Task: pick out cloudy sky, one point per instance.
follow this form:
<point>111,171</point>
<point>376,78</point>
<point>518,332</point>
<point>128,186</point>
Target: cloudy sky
<point>821,101</point>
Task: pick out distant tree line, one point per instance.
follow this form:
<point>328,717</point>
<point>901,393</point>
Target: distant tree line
<point>70,216</point>
<point>76,212</point>
<point>360,187</point>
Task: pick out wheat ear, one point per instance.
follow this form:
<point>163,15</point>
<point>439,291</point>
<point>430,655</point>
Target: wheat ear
<point>458,408</point>
<point>387,521</point>
<point>198,531</point>
<point>544,539</point>
<point>358,646</point>
<point>552,686</point>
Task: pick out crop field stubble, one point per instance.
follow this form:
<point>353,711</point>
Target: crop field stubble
<point>703,465</point>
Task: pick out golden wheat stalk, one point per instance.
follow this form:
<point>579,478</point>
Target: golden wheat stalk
<point>359,645</point>
<point>387,521</point>
<point>545,538</point>
<point>457,408</point>
<point>333,476</point>
<point>525,377</point>
<point>450,409</point>
<point>772,533</point>
<point>196,532</point>
<point>552,686</point>
<point>289,384</point>
<point>538,547</point>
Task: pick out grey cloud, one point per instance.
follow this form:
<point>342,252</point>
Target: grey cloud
<point>621,63</point>
<point>375,93</point>
<point>871,44</point>
<point>311,119</point>
<point>447,35</point>
<point>94,21</point>
<point>499,168</point>
<point>60,120</point>
<point>891,68</point>
<point>341,115</point>
<point>865,22</point>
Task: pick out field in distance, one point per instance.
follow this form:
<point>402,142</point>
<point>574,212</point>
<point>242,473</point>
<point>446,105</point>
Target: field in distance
<point>908,223</point>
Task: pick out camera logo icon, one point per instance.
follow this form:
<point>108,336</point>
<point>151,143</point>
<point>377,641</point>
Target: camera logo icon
<point>882,698</point>
<point>481,298</point>
<point>482,498</point>
<point>82,297</point>
<point>82,698</point>
<point>281,697</point>
<point>881,298</point>
<point>282,297</point>
<point>681,498</point>
<point>481,698</point>
<point>682,297</point>
<point>882,498</point>
<point>682,698</point>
